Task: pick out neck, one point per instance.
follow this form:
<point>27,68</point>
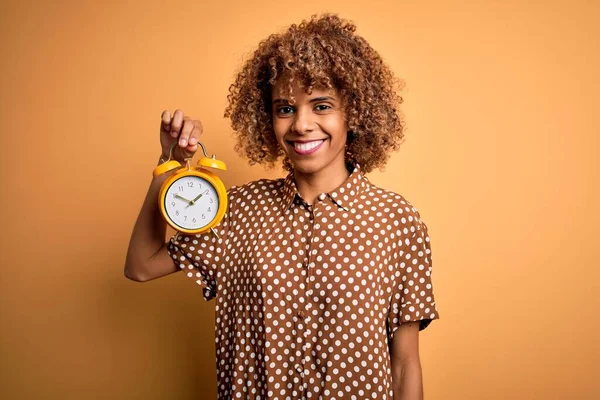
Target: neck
<point>310,185</point>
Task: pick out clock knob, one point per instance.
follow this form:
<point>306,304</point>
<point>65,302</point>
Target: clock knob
<point>212,163</point>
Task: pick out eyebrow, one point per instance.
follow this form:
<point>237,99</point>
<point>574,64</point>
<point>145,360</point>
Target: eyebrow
<point>316,99</point>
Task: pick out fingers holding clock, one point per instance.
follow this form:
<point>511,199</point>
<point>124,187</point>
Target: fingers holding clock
<point>194,137</point>
<point>165,123</point>
<point>177,123</point>
<point>180,128</point>
<point>189,135</point>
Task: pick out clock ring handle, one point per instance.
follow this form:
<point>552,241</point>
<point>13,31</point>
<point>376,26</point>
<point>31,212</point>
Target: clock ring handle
<point>204,150</point>
<point>184,152</point>
<point>213,158</point>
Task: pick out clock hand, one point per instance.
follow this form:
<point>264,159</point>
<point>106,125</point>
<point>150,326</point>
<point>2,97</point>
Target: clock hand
<point>194,201</point>
<point>197,197</point>
<point>183,198</point>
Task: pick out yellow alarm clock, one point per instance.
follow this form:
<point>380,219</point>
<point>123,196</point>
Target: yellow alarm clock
<point>192,199</point>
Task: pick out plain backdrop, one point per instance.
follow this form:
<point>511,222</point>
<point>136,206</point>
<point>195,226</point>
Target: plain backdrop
<point>500,159</point>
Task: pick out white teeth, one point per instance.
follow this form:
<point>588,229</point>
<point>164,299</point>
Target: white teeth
<point>307,146</point>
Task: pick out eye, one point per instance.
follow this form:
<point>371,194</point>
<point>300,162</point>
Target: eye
<point>284,110</point>
<point>322,107</point>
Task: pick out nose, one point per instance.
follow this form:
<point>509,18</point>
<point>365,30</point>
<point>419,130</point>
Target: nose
<point>303,122</point>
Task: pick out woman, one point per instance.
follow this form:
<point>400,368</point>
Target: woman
<point>322,280</point>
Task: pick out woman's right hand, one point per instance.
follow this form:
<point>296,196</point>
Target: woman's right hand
<point>182,129</point>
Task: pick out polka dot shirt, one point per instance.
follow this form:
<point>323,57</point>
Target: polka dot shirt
<point>308,297</point>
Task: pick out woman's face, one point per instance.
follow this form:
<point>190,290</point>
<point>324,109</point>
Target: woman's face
<point>312,132</point>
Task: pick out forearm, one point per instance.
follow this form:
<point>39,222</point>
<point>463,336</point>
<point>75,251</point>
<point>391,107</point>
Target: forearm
<point>148,236</point>
<point>407,381</point>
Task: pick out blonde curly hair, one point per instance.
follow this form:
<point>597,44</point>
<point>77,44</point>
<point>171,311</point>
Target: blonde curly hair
<point>323,52</point>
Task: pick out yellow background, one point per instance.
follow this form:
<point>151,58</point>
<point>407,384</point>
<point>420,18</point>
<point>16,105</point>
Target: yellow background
<point>502,102</point>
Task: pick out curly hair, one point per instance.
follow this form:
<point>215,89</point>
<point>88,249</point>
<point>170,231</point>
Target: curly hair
<point>323,53</point>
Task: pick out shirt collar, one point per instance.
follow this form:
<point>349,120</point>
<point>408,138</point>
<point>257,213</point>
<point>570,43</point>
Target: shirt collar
<point>345,196</point>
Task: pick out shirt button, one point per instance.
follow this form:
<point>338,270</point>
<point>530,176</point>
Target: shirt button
<point>301,314</point>
<point>299,368</point>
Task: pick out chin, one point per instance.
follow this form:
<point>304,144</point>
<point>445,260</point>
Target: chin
<point>309,166</point>
<point>305,166</point>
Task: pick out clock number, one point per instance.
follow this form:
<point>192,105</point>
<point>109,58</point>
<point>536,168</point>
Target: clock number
<point>190,184</point>
<point>194,220</point>
<point>180,188</point>
<point>177,213</point>
<point>203,217</point>
<point>173,203</point>
<point>210,200</point>
<point>208,209</point>
<point>185,217</point>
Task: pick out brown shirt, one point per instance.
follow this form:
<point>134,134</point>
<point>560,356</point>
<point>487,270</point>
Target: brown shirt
<point>309,296</point>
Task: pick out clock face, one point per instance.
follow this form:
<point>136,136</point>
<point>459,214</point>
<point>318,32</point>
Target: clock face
<point>191,202</point>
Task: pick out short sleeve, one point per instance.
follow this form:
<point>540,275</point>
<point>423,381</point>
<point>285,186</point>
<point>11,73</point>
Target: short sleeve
<point>412,293</point>
<point>200,255</point>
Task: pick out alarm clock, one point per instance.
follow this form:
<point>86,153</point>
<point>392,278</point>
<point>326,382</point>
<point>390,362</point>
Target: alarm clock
<point>193,199</point>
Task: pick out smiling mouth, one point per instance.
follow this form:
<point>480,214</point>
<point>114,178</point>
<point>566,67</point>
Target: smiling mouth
<point>306,147</point>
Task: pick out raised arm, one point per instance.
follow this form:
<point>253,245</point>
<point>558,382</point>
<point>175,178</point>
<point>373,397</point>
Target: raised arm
<point>147,256</point>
